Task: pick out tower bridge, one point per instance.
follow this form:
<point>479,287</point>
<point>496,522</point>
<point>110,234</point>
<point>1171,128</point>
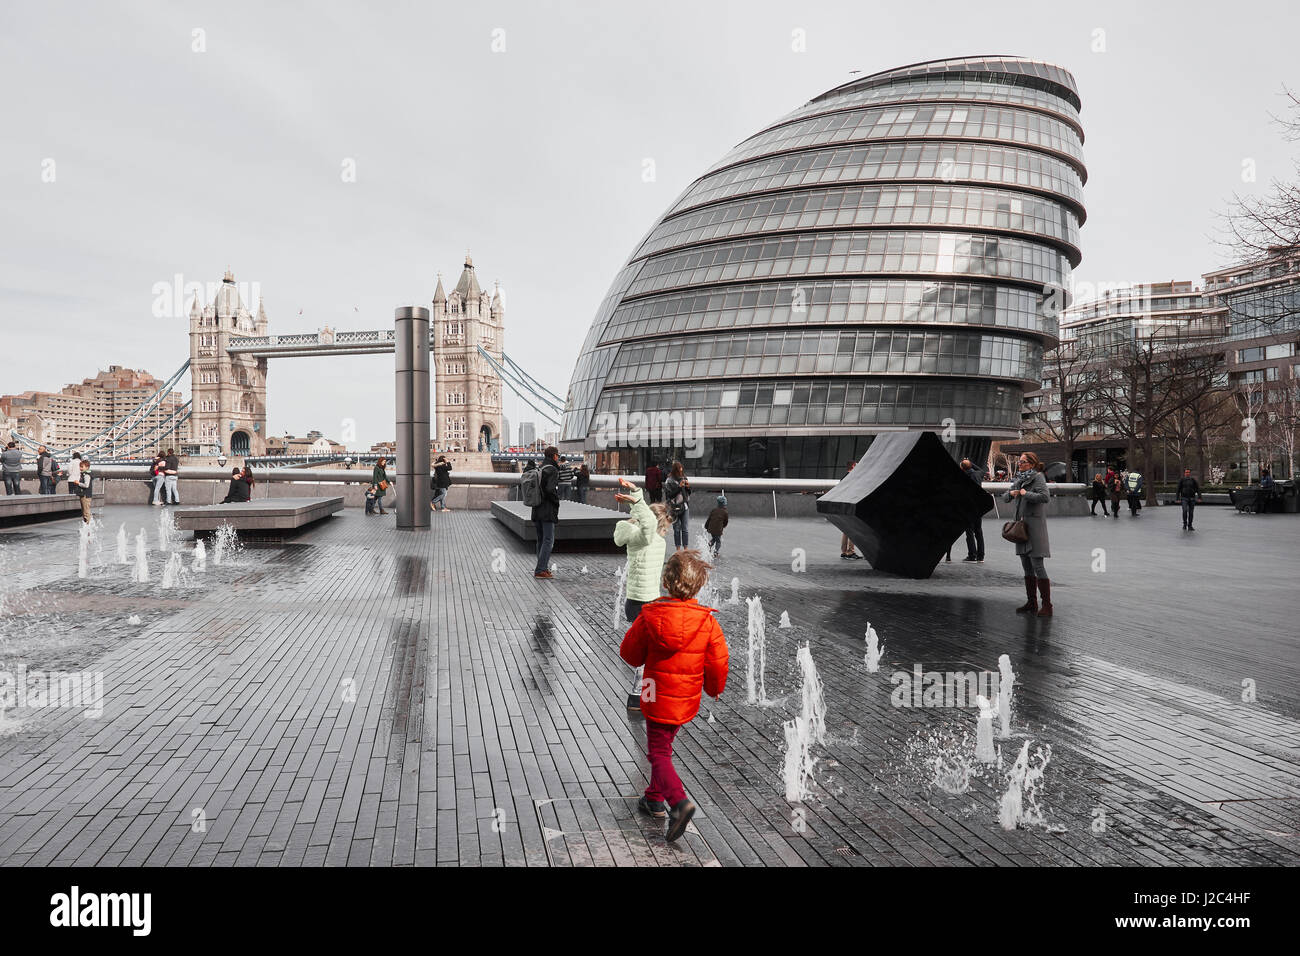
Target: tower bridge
<point>231,347</point>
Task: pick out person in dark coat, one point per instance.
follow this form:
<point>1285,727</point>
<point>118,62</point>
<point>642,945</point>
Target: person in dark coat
<point>1098,494</point>
<point>584,483</point>
<point>1115,486</point>
<point>379,478</point>
<point>547,513</point>
<point>441,482</point>
<point>975,530</point>
<point>1029,492</point>
<point>239,490</point>
<point>1188,493</point>
<point>45,470</point>
<point>654,483</point>
<point>714,524</point>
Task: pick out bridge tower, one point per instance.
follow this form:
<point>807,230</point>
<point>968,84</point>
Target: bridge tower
<point>467,392</point>
<point>229,391</point>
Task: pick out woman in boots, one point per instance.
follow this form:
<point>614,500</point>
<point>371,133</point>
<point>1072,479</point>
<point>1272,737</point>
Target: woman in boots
<point>1029,492</point>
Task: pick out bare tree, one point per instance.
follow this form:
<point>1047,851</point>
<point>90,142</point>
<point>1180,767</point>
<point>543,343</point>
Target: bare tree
<point>1259,227</point>
<point>1145,381</point>
<point>1275,410</point>
<point>1070,365</point>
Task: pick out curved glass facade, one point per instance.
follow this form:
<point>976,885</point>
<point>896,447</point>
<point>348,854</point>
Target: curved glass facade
<point>892,254</point>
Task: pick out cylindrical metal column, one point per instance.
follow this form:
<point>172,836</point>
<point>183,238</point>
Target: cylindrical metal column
<point>411,351</point>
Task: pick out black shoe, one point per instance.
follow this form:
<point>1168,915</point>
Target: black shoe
<point>855,556</point>
<point>845,557</point>
<point>652,808</point>
<point>678,817</point>
<point>970,557</point>
<point>634,702</point>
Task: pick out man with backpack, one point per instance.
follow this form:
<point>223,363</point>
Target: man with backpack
<point>539,490</point>
<point>45,470</point>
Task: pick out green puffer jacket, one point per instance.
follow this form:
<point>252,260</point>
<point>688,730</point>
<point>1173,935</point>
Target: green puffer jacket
<point>645,550</point>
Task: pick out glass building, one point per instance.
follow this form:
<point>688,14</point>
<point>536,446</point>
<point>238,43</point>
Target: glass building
<point>892,255</point>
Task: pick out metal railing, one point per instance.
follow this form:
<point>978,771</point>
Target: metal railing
<point>506,479</point>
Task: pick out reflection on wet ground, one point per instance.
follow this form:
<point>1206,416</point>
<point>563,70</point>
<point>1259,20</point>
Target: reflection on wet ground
<point>363,696</point>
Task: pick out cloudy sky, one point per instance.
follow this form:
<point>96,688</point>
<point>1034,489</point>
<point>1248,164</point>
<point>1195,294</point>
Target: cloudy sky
<point>517,130</point>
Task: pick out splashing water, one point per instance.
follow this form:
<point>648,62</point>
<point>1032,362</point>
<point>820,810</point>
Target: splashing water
<point>1020,806</point>
<point>172,570</point>
<point>952,773</point>
<point>756,666</point>
<point>168,534</point>
<point>200,556</point>
<point>812,694</point>
<point>227,547</point>
<point>875,650</point>
<point>133,619</point>
<point>620,595</point>
<point>785,619</point>
<point>708,596</point>
<point>141,572</point>
<point>735,591</point>
<point>799,762</point>
<point>804,730</point>
<point>1006,678</point>
<point>84,537</point>
<point>122,555</point>
<point>984,751</point>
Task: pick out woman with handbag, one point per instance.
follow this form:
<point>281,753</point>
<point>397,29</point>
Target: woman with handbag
<point>379,478</point>
<point>1029,532</point>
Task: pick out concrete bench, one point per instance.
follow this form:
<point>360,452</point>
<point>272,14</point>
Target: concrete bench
<point>1209,498</point>
<point>586,524</point>
<point>263,517</point>
<point>22,508</point>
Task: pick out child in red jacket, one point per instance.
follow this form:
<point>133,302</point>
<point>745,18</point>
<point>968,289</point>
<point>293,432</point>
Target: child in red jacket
<point>681,647</point>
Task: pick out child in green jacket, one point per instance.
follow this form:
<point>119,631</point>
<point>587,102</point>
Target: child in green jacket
<point>643,536</point>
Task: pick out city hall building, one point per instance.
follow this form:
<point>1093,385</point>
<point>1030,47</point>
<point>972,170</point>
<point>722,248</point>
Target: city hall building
<point>892,255</point>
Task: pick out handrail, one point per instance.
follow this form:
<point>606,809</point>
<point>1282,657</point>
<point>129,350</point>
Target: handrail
<point>498,478</point>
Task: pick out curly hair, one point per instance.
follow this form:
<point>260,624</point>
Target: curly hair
<point>685,573</point>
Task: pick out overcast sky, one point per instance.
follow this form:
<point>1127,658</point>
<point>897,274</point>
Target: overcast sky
<point>168,161</point>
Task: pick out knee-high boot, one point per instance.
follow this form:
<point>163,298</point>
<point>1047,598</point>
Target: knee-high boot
<point>1045,586</point>
<point>1031,605</point>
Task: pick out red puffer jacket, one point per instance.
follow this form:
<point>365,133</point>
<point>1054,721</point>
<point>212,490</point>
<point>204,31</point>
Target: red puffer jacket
<point>681,646</point>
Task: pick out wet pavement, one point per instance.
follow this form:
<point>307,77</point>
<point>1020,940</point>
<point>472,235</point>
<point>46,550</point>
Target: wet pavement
<point>364,696</point>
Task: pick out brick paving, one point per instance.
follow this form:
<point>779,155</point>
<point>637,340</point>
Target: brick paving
<point>368,697</point>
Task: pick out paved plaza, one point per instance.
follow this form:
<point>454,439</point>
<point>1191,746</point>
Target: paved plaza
<point>367,697</point>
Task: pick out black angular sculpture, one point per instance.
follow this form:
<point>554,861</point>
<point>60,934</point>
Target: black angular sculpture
<point>905,503</point>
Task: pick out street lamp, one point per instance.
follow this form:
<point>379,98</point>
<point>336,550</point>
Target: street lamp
<point>221,460</point>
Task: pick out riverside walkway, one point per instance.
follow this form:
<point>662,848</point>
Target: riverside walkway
<point>369,697</point>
